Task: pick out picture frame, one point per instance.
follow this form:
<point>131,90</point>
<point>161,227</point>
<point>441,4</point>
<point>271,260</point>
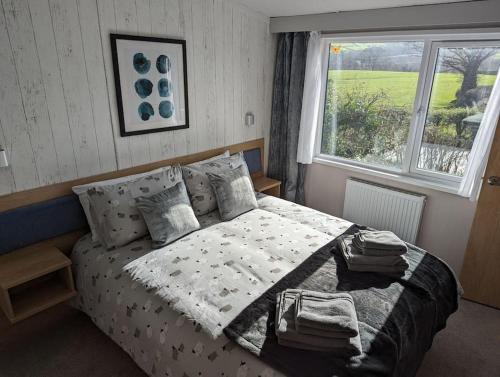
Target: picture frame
<point>151,83</point>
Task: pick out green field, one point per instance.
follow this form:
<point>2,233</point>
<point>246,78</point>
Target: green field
<point>401,86</point>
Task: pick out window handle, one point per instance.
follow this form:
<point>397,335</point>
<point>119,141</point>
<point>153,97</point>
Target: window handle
<point>494,180</point>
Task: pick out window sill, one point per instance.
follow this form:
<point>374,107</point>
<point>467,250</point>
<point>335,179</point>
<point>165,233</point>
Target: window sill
<point>400,178</point>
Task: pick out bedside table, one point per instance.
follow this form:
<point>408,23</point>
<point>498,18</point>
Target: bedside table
<point>32,280</point>
<point>267,186</point>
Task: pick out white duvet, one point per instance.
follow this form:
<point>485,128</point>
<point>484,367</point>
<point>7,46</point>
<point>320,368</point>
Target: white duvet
<point>215,273</point>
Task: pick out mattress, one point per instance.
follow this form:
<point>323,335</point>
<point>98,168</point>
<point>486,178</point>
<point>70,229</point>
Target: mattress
<point>162,339</point>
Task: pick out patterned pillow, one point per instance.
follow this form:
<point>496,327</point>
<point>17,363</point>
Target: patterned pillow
<point>113,208</point>
<point>81,191</point>
<point>234,192</point>
<point>198,185</point>
<point>168,215</point>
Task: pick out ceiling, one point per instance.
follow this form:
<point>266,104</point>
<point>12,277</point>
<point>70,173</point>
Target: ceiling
<point>276,8</point>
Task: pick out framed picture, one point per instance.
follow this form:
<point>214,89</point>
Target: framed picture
<point>151,83</point>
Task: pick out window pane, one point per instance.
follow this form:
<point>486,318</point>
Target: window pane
<point>370,92</point>
<point>461,87</point>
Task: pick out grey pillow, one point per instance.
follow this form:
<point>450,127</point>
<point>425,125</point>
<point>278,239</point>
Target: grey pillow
<point>234,192</point>
<point>168,215</point>
<point>113,209</point>
<point>198,186</point>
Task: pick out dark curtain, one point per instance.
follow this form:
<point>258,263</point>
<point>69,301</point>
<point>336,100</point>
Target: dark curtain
<point>285,117</point>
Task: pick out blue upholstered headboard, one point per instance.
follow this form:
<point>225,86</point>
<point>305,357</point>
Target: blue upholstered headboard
<point>33,223</point>
<point>40,221</point>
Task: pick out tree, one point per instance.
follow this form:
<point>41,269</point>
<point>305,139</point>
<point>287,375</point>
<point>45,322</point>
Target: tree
<point>467,62</point>
<point>370,57</point>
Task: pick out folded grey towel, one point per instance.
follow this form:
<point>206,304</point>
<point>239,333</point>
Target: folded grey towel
<point>288,335</point>
<point>375,242</point>
<point>329,315</point>
<point>356,261</point>
<point>376,252</point>
<point>356,257</point>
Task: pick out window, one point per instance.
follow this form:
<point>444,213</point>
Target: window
<point>411,106</point>
<point>461,84</point>
<point>371,90</point>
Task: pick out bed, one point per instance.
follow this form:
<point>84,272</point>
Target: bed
<point>168,308</point>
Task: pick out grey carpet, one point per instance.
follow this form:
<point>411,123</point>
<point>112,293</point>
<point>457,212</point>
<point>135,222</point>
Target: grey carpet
<point>62,342</point>
<point>469,346</point>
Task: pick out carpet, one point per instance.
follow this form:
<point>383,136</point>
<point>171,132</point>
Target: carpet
<point>63,342</point>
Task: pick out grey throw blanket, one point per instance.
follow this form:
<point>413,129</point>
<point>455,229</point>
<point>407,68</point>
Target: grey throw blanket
<point>398,316</point>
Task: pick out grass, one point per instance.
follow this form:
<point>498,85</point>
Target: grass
<point>401,86</point>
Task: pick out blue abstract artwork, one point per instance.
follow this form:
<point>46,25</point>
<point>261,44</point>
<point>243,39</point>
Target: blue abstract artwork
<point>145,111</point>
<point>151,83</point>
<point>141,63</point>
<point>166,109</point>
<point>143,88</point>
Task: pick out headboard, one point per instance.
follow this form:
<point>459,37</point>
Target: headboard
<point>52,215</point>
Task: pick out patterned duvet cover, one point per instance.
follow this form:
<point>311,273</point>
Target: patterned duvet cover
<point>155,329</point>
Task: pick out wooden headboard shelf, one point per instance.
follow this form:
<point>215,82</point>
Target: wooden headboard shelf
<point>40,194</point>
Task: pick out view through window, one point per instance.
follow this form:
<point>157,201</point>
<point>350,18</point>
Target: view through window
<point>371,103</point>
<point>462,83</point>
<point>369,100</point>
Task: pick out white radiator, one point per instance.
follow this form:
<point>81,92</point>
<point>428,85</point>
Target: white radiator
<point>384,208</point>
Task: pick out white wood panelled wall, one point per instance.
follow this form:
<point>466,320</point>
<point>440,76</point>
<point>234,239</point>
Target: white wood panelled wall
<point>58,116</point>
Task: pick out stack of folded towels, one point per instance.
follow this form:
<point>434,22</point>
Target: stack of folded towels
<point>316,321</point>
<point>375,251</point>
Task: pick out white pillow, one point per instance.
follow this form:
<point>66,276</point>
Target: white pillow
<point>81,191</point>
<point>219,156</point>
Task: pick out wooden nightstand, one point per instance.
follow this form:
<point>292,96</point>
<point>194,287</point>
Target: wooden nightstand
<point>32,280</point>
<point>267,186</point>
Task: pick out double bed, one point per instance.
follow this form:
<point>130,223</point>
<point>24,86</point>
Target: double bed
<point>202,306</point>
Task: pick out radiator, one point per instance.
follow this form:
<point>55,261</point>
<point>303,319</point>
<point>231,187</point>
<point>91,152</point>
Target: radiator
<point>384,208</point>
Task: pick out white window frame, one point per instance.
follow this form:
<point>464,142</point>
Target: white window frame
<point>432,40</point>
